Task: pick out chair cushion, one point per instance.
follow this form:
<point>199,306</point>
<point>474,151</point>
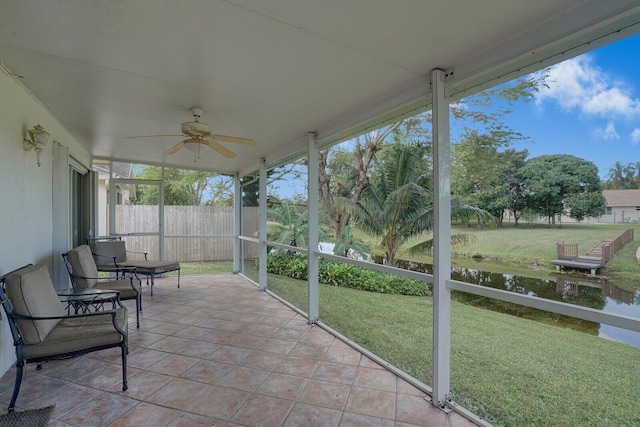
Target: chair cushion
<point>31,293</point>
<point>80,333</point>
<point>105,251</point>
<point>123,286</point>
<point>152,266</point>
<point>83,266</point>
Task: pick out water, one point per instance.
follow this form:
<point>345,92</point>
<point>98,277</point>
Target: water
<point>597,293</point>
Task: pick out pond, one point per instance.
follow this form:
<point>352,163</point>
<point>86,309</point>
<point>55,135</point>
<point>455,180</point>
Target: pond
<point>594,293</point>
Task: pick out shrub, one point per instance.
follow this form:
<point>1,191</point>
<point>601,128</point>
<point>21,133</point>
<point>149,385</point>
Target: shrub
<point>345,275</point>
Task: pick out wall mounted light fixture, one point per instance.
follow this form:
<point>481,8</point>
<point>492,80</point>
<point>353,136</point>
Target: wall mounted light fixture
<point>39,138</point>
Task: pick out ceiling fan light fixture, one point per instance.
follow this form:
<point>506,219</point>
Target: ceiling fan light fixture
<point>199,133</point>
<point>193,145</point>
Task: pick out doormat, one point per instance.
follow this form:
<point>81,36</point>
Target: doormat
<point>29,418</point>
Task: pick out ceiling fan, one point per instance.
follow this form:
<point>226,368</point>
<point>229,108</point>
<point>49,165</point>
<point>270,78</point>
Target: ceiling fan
<point>198,134</point>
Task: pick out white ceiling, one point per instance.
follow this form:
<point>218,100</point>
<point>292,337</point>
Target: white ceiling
<point>274,70</point>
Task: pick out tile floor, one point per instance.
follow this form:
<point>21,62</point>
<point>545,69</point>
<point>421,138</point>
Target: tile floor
<point>218,352</point>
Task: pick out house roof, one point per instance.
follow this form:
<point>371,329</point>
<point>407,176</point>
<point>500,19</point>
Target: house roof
<point>276,70</point>
<point>120,170</point>
<point>622,198</point>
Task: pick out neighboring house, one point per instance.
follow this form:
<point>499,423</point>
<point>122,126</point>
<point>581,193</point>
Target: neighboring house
<point>124,192</point>
<point>623,206</point>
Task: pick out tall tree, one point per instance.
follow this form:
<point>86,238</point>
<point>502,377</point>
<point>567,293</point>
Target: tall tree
<point>397,202</point>
<point>348,175</point>
<point>342,178</point>
<point>251,185</point>
<point>343,174</point>
<point>485,177</point>
<point>563,183</point>
<point>222,193</point>
<point>480,158</point>
<point>181,186</point>
<point>623,177</point>
<point>514,183</point>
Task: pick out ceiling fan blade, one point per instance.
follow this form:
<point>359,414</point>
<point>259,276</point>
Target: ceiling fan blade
<point>175,148</point>
<point>220,149</point>
<point>150,136</point>
<point>234,139</point>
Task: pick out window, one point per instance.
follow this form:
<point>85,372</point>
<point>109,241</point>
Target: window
<point>609,210</point>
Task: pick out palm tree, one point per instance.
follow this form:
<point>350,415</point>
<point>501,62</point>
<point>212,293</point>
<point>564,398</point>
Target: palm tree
<point>291,224</point>
<point>349,242</point>
<point>623,177</point>
<point>397,203</point>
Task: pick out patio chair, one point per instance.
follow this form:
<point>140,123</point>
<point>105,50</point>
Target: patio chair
<point>84,274</point>
<point>111,252</point>
<point>42,331</point>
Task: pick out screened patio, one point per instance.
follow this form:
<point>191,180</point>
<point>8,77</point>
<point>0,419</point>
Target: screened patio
<point>297,78</point>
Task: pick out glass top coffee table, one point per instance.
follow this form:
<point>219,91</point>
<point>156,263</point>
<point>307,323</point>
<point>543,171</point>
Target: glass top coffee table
<point>86,300</point>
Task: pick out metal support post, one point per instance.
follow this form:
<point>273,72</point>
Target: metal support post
<point>237,224</point>
<point>442,241</point>
<point>313,259</point>
<point>262,193</point>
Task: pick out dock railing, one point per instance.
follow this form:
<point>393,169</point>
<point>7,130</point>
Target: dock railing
<point>625,237</point>
<point>607,252</point>
<point>567,250</point>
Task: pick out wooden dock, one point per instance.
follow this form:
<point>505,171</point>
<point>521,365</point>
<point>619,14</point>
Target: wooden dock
<point>567,254</point>
<point>580,263</point>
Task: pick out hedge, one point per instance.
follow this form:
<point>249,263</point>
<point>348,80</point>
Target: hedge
<point>345,275</point>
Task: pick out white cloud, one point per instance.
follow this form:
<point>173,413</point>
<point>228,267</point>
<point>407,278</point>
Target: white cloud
<point>578,85</point>
<point>609,133</point>
<point>635,136</point>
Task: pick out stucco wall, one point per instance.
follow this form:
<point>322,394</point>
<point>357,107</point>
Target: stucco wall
<point>26,198</point>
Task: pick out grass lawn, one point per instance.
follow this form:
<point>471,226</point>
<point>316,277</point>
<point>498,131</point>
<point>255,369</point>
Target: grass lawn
<point>529,243</point>
<point>527,249</point>
<point>203,267</point>
<point>511,371</point>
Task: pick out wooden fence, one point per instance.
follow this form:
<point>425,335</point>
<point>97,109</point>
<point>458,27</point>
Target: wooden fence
<point>192,233</point>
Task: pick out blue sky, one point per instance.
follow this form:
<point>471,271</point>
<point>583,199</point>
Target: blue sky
<point>591,108</point>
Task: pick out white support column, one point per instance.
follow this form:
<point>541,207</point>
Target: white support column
<point>161,216</point>
<point>442,241</point>
<point>61,237</point>
<point>262,192</point>
<point>237,224</point>
<point>312,196</point>
<point>111,229</point>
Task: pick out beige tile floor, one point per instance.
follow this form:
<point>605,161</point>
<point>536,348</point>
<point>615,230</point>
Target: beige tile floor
<point>218,352</point>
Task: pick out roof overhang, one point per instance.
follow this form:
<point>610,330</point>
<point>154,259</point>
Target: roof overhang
<point>276,70</point>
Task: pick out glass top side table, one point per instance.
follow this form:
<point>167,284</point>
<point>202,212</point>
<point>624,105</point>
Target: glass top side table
<point>86,300</point>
